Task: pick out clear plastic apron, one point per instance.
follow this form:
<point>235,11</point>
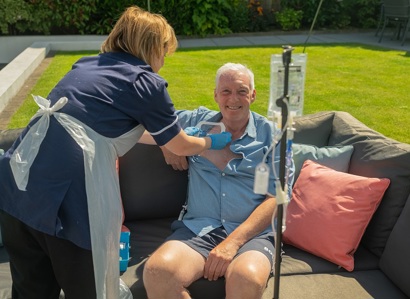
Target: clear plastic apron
<point>102,187</point>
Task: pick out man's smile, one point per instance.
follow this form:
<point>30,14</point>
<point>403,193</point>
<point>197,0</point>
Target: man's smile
<point>234,107</point>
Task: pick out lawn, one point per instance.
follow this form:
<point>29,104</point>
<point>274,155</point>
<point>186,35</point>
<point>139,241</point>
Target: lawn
<point>368,82</point>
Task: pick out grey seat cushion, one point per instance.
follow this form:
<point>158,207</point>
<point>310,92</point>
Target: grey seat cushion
<point>147,235</point>
<point>346,285</point>
<point>296,261</point>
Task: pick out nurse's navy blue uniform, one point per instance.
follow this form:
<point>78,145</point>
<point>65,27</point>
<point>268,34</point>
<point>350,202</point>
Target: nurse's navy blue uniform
<point>124,93</point>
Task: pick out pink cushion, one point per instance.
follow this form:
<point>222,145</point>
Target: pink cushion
<point>330,211</point>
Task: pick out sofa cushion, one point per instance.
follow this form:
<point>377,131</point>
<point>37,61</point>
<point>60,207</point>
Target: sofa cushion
<point>149,187</point>
<point>389,159</point>
<point>395,261</point>
<point>297,261</point>
<point>374,156</point>
<point>314,129</point>
<point>330,211</point>
<point>146,237</point>
<point>343,285</point>
<point>335,157</point>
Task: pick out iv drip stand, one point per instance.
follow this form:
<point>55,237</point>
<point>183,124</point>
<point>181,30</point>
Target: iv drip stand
<point>286,58</point>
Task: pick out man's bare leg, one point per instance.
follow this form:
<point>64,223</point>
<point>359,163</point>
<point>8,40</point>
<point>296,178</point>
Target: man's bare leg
<point>247,275</point>
<point>171,269</point>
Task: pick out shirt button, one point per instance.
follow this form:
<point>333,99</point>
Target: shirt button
<point>223,220</point>
<point>223,173</point>
<point>223,194</point>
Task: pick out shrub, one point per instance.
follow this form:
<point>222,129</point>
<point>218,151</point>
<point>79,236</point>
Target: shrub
<point>208,17</point>
<point>70,17</point>
<point>177,12</point>
<point>364,13</point>
<point>238,18</point>
<point>257,17</point>
<point>20,17</point>
<point>104,17</point>
<point>12,12</point>
<point>332,14</point>
<point>289,18</point>
<point>187,17</point>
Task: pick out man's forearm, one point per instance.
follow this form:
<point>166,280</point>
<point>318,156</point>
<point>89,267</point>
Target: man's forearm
<point>256,223</point>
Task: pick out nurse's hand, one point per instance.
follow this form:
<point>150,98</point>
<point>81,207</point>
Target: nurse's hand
<point>191,131</point>
<point>194,131</point>
<point>219,141</point>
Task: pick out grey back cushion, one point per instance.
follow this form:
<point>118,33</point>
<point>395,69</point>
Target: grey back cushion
<point>395,261</point>
<point>335,157</point>
<point>150,188</point>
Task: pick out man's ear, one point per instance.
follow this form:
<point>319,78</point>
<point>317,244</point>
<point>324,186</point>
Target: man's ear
<point>215,96</point>
<point>253,96</point>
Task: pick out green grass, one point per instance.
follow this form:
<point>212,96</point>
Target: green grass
<point>370,83</point>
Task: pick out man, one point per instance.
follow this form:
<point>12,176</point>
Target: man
<point>226,230</point>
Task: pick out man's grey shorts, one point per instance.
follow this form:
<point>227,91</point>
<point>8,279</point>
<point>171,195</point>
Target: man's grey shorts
<point>263,243</point>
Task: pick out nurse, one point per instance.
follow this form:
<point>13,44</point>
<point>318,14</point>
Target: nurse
<point>60,205</point>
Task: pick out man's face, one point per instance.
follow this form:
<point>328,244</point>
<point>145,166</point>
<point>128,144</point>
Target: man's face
<point>234,96</point>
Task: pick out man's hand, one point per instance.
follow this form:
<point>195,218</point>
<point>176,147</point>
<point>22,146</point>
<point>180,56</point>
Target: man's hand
<point>177,162</point>
<point>219,259</point>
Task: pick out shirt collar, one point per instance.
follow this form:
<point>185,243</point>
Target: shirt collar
<point>250,128</point>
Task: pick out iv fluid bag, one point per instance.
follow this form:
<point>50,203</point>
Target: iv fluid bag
<point>297,73</point>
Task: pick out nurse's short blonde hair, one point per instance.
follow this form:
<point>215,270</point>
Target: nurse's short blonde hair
<point>143,34</point>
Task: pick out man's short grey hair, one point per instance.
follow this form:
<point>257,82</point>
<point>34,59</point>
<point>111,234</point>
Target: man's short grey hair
<point>228,67</point>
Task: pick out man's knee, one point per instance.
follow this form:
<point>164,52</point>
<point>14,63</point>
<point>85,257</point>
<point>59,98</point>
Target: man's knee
<point>249,271</point>
<point>156,266</point>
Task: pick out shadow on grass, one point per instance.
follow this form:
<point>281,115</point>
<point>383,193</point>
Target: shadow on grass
<point>298,48</point>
